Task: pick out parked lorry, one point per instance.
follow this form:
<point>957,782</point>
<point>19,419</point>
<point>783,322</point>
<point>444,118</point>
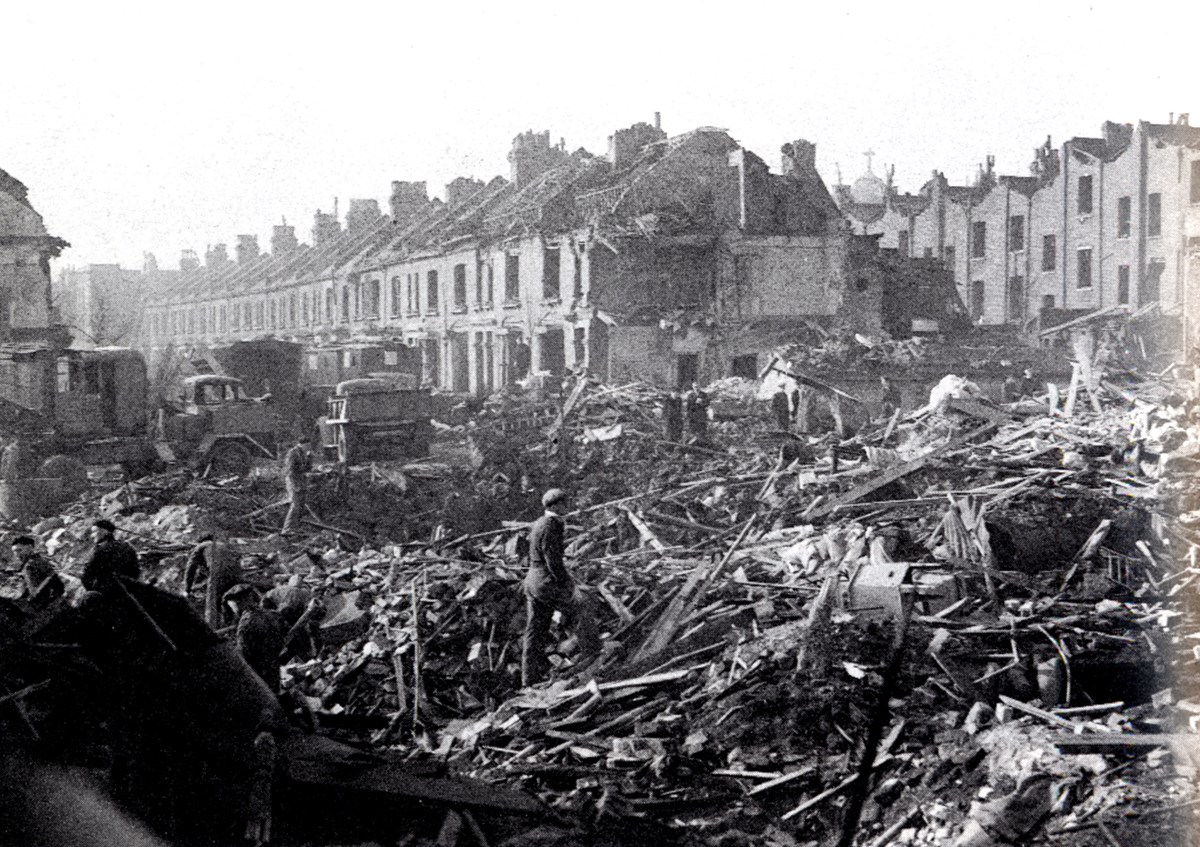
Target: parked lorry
<point>377,416</point>
<point>91,407</point>
<point>216,424</point>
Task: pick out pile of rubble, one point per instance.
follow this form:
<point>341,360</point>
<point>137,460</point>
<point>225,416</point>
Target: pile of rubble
<point>970,626</point>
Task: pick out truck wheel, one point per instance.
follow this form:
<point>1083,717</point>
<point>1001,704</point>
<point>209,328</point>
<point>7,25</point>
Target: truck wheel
<point>345,446</point>
<point>229,459</point>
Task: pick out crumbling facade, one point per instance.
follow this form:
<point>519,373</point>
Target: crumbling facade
<point>25,253</point>
<point>1100,222</point>
<point>668,259</point>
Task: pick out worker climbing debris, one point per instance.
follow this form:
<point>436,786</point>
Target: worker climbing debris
<point>297,463</point>
<point>210,563</point>
<point>550,588</point>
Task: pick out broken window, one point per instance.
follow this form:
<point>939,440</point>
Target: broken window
<point>745,366</point>
<point>1016,233</point>
<point>1083,268</point>
<point>64,375</point>
<point>1084,198</point>
<point>478,283</point>
<point>431,291</point>
<point>1049,252</point>
<point>1124,217</point>
<point>491,284</point>
<point>460,286</point>
<point>977,295</point>
<point>577,276</point>
<point>979,239</point>
<point>345,304</point>
<point>374,292</point>
<point>1154,214</point>
<point>902,240</point>
<point>1123,284</point>
<point>512,278</point>
<point>1047,301</point>
<point>550,269</point>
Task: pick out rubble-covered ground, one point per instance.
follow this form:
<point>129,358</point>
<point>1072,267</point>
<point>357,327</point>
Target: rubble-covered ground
<point>973,626</point>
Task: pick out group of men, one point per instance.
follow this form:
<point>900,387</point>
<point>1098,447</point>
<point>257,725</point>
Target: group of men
<point>271,626</point>
<point>42,584</point>
<point>687,410</point>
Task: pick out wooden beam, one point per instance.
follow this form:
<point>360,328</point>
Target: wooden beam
<point>891,475</point>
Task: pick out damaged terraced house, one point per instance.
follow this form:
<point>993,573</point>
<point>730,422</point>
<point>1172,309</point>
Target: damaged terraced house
<point>669,260</point>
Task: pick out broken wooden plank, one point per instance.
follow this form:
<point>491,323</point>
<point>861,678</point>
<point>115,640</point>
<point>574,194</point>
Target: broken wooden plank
<point>1125,742</point>
<point>1041,714</point>
<point>781,780</point>
<point>976,409</point>
<point>614,603</point>
<point>891,475</point>
<point>646,533</point>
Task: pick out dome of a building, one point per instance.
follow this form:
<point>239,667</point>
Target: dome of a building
<point>869,190</point>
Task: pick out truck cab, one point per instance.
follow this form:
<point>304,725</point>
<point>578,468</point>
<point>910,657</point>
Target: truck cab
<point>216,421</point>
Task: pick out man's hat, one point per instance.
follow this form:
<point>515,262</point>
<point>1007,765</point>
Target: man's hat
<point>106,524</point>
<point>553,496</point>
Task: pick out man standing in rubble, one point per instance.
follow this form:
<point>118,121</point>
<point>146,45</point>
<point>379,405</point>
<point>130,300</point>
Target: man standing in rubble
<point>110,558</point>
<point>549,587</point>
<point>296,465</point>
<point>221,574</point>
<point>781,408</point>
<point>695,404</point>
<point>673,417</point>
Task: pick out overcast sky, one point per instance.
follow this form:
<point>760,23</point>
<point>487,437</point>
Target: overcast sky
<point>170,126</point>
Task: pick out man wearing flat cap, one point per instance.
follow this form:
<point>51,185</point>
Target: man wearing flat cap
<point>110,558</point>
<point>549,587</point>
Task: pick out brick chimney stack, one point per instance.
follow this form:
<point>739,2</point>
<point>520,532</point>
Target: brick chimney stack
<point>326,227</point>
<point>216,257</point>
<point>408,200</point>
<point>624,145</point>
<point>247,249</point>
<point>799,157</point>
<point>283,239</point>
<point>189,261</point>
<point>460,188</point>
<point>363,214</point>
<point>531,155</point>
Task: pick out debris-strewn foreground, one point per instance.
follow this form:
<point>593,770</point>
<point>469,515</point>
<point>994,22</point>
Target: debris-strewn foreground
<point>974,625</point>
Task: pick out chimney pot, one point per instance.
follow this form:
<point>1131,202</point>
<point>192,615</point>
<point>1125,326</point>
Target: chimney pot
<point>658,120</point>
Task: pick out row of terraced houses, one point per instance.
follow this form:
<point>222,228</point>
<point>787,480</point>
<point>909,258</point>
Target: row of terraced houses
<point>669,259</point>
<point>1104,221</point>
